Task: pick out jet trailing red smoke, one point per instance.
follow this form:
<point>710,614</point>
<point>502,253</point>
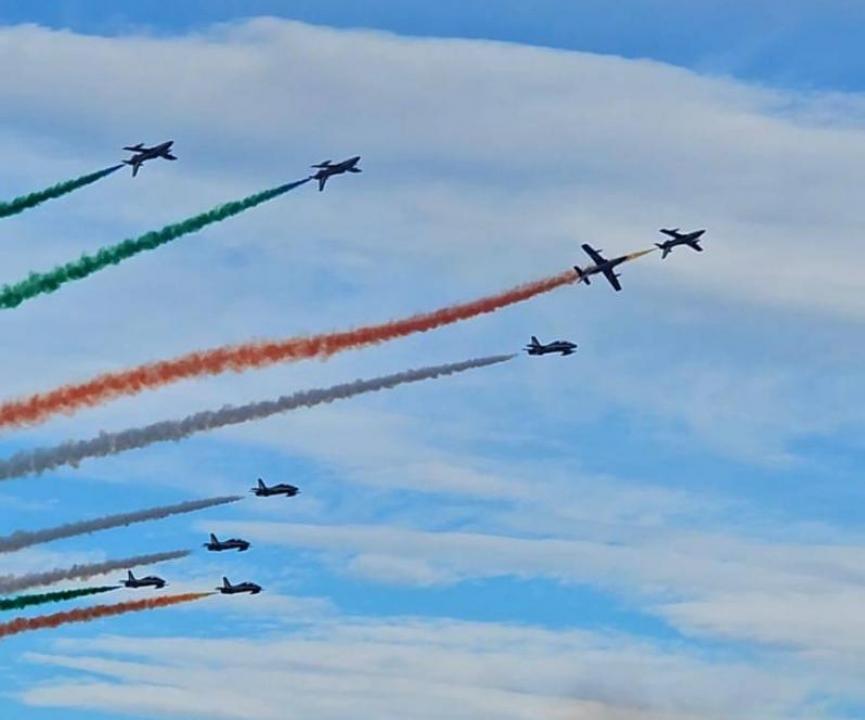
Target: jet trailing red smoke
<point>238,358</point>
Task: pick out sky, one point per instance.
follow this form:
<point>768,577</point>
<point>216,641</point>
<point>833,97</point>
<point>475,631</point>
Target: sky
<point>663,526</point>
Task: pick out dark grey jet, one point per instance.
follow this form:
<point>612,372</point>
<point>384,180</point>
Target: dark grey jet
<point>149,581</point>
<point>143,154</point>
<point>262,490</point>
<point>228,589</point>
<point>326,169</point>
<point>535,347</point>
<point>231,544</point>
<point>602,266</point>
<point>679,238</point>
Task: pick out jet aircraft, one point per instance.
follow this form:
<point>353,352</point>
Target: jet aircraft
<point>230,544</point>
<point>679,238</point>
<point>149,581</point>
<point>228,589</point>
<point>262,490</point>
<point>326,169</point>
<point>602,266</point>
<point>535,347</point>
<point>143,154</point>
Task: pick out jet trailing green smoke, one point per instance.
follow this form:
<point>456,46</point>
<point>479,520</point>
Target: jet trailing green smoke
<point>25,202</point>
<point>47,282</point>
<point>23,601</point>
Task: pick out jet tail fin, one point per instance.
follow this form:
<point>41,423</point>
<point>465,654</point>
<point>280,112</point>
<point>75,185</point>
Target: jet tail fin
<point>535,341</point>
<point>225,583</point>
<point>261,485</point>
<point>321,182</point>
<point>213,538</point>
<point>129,575</point>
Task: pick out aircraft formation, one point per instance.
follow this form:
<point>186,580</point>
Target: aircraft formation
<point>261,489</point>
<point>599,265</point>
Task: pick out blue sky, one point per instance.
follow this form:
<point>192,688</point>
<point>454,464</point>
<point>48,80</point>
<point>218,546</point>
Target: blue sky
<point>677,502</point>
<point>794,44</point>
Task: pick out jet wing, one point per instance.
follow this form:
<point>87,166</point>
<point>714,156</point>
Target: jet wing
<point>614,281</point>
<point>597,258</point>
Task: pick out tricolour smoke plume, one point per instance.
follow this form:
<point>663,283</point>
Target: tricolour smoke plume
<point>24,538</point>
<point>23,601</point>
<point>237,358</point>
<point>20,625</point>
<point>47,282</point>
<point>71,453</point>
<point>17,583</point>
<point>25,202</point>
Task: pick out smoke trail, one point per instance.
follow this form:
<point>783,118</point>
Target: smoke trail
<point>68,398</point>
<point>21,538</point>
<point>71,453</point>
<point>25,202</point>
<point>23,601</point>
<point>17,583</point>
<point>20,625</point>
<point>47,282</point>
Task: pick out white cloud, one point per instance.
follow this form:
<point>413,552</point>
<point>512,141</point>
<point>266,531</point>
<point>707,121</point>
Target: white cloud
<point>404,667</point>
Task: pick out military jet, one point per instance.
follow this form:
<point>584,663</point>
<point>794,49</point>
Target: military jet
<point>143,154</point>
<point>149,581</point>
<point>535,347</point>
<point>326,169</point>
<point>230,544</point>
<point>679,238</point>
<point>602,266</point>
<point>262,490</point>
<point>228,589</point>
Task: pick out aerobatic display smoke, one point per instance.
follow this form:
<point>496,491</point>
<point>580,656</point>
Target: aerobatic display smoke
<point>25,202</point>
<point>71,453</point>
<point>23,601</point>
<point>47,282</point>
<point>17,583</point>
<point>20,625</point>
<point>237,358</point>
<point>22,538</point>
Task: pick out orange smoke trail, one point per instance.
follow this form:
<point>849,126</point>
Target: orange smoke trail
<point>20,625</point>
<point>69,398</point>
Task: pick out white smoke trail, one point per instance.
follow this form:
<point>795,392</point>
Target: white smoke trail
<point>71,453</point>
<point>23,538</point>
<point>17,583</point>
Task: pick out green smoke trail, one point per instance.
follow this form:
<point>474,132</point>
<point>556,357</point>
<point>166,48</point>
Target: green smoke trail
<point>25,202</point>
<point>41,283</point>
<point>23,601</point>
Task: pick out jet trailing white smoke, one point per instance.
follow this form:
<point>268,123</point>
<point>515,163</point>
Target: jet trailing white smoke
<point>17,583</point>
<point>24,538</point>
<point>71,453</point>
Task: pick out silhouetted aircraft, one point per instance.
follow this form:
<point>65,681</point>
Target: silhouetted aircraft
<point>602,265</point>
<point>263,490</point>
<point>230,544</point>
<point>535,347</point>
<point>326,169</point>
<point>149,581</point>
<point>143,154</point>
<point>228,589</point>
<point>679,238</point>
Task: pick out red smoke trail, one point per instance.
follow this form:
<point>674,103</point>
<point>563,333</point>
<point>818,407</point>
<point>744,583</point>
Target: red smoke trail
<point>69,398</point>
<point>95,612</point>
